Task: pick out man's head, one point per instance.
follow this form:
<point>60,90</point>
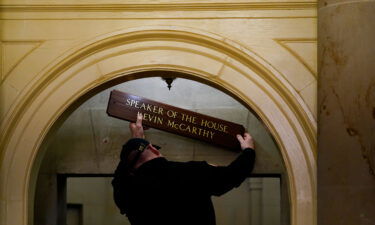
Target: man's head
<point>137,151</point>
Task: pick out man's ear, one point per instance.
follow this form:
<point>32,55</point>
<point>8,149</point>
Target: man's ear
<point>154,150</point>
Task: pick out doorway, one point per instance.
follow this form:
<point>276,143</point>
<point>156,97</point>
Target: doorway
<point>89,141</point>
<point>89,201</point>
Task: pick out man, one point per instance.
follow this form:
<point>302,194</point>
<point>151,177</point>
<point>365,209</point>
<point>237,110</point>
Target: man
<point>149,189</point>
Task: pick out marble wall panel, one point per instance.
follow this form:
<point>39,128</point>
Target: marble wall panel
<point>346,113</point>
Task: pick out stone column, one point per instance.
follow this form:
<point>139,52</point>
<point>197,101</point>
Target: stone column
<point>346,110</point>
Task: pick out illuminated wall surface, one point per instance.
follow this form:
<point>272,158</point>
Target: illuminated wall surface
<point>55,53</point>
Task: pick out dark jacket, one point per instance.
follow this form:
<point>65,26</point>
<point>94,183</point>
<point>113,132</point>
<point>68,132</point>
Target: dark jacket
<point>177,193</point>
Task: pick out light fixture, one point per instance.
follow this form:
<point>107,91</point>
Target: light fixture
<point>169,81</point>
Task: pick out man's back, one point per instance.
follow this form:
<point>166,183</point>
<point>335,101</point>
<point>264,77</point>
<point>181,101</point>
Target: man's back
<point>165,192</point>
<point>152,190</point>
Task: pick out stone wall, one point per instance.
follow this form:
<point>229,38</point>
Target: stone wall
<point>54,52</point>
<point>346,157</point>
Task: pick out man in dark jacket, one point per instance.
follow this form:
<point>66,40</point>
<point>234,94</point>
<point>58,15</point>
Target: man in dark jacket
<point>149,189</point>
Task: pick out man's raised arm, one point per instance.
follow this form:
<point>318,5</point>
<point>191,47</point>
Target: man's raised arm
<point>136,128</point>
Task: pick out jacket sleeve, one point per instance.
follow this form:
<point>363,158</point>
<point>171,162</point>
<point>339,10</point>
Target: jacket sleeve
<point>217,180</point>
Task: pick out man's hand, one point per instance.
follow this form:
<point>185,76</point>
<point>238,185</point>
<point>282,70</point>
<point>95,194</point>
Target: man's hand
<point>136,128</point>
<point>246,141</point>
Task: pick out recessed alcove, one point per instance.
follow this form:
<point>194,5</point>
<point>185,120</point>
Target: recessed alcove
<point>87,143</point>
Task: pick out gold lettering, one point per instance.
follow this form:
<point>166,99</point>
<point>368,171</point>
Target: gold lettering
<point>204,123</point>
<point>152,118</point>
<point>212,134</point>
<point>207,123</point>
<point>134,103</point>
<point>226,129</point>
<point>200,130</point>
<point>221,127</point>
<point>160,120</point>
<point>171,113</point>
<point>127,101</point>
<point>160,111</point>
<point>155,109</point>
<point>194,131</point>
<point>143,106</point>
<point>191,129</point>
<point>188,129</point>
<point>146,117</point>
<point>185,128</point>
<point>205,133</point>
<point>173,124</point>
<point>180,126</point>
<point>187,118</point>
<point>214,125</point>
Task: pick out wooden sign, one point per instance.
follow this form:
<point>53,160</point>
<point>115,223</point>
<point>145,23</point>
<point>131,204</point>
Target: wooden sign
<point>175,120</point>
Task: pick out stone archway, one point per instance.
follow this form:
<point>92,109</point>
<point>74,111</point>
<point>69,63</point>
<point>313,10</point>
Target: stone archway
<point>202,56</point>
